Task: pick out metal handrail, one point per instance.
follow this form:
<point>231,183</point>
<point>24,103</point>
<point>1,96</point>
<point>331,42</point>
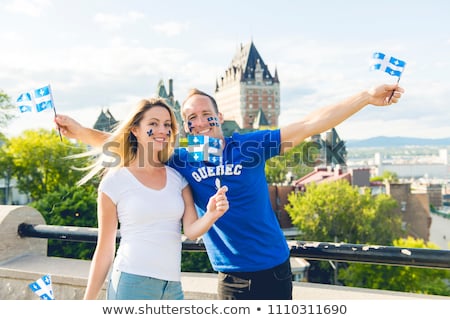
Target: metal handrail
<point>386,255</point>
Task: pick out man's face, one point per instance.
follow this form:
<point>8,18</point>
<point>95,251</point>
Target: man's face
<point>200,118</point>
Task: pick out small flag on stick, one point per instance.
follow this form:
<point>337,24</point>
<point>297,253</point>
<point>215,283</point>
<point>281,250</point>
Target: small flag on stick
<point>204,148</point>
<point>43,99</point>
<point>38,100</point>
<point>388,64</point>
<point>43,288</point>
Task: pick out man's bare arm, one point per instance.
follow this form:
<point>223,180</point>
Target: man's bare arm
<point>328,117</point>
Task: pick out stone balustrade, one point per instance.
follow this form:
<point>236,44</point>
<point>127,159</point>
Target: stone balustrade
<point>23,260</point>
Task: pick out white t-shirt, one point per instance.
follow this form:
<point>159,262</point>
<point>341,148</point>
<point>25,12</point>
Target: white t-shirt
<point>150,223</point>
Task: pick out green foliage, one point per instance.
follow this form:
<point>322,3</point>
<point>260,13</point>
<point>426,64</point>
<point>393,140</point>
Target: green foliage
<point>39,163</point>
<point>396,278</point>
<point>6,169</point>
<point>195,262</point>
<point>337,211</point>
<point>70,206</point>
<point>299,161</point>
<point>386,176</point>
<point>7,110</point>
<point>37,160</point>
<point>183,142</point>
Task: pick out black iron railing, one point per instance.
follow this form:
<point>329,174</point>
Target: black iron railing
<point>387,255</point>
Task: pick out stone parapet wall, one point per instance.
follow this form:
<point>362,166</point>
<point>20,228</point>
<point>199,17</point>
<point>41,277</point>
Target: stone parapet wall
<point>24,260</point>
<point>11,244</point>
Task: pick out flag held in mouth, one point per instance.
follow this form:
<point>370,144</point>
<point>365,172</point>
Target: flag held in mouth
<point>204,148</point>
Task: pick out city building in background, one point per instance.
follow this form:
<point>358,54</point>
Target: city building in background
<point>248,93</point>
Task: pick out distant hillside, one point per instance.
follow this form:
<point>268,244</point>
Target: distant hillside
<point>396,142</point>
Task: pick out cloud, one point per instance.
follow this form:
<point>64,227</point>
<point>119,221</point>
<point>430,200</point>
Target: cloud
<point>32,8</point>
<point>116,21</point>
<point>171,28</point>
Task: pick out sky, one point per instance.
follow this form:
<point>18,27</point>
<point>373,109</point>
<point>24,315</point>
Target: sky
<point>99,54</point>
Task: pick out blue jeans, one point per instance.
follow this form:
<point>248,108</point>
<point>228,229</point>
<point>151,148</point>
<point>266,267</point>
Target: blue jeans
<point>270,284</point>
<point>126,286</point>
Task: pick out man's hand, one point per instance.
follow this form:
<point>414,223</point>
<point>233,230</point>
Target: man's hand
<point>385,94</point>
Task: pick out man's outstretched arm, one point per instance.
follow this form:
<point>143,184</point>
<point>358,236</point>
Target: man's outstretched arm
<point>330,116</point>
<point>72,129</point>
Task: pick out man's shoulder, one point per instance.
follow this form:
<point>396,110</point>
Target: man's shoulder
<point>179,156</point>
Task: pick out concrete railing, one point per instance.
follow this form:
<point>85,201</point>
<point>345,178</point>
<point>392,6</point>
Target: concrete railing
<point>23,259</point>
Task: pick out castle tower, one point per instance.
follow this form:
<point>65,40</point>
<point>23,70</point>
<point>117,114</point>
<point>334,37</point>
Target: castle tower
<point>168,96</point>
<point>105,121</point>
<point>248,94</point>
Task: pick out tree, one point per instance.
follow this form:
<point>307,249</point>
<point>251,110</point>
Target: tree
<point>6,169</point>
<point>195,262</point>
<point>70,206</point>
<point>337,211</point>
<point>7,109</point>
<point>37,159</point>
<point>40,164</point>
<point>298,161</point>
<point>405,279</point>
<point>386,176</point>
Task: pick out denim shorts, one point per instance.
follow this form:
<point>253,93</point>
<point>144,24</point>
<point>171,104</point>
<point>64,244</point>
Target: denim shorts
<point>126,286</point>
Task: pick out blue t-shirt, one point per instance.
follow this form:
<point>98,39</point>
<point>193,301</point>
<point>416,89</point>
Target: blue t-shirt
<point>248,236</point>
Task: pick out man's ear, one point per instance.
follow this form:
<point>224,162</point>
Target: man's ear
<point>221,118</point>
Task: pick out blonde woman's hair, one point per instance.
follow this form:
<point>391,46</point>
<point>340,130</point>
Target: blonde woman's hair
<point>122,146</point>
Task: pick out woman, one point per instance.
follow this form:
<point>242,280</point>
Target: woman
<point>148,200</point>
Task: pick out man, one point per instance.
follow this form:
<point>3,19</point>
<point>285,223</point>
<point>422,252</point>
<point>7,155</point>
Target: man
<point>246,246</point>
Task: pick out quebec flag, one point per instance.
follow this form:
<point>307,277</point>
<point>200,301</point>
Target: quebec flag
<point>36,100</point>
<point>25,102</point>
<point>388,64</point>
<point>204,148</point>
<point>43,288</point>
<point>43,98</point>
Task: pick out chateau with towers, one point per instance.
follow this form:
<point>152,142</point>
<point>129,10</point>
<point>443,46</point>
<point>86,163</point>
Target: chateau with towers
<point>247,94</point>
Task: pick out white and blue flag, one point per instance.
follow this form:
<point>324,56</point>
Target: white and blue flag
<point>43,288</point>
<point>43,98</point>
<point>388,64</point>
<point>36,100</point>
<point>25,102</point>
<point>204,148</point>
